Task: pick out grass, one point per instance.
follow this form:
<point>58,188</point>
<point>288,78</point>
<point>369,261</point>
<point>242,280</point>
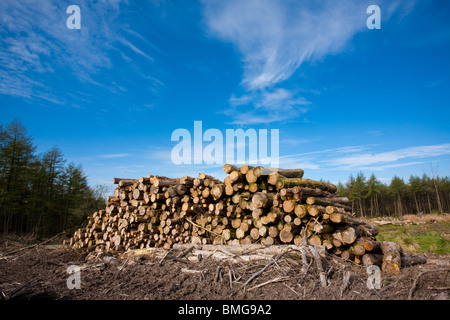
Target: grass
<point>433,236</point>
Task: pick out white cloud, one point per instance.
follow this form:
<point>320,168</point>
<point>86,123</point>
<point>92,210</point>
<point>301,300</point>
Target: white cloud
<point>361,160</point>
<point>382,167</point>
<point>298,163</point>
<point>114,156</point>
<point>375,133</point>
<point>266,106</point>
<point>355,158</point>
<point>36,43</point>
<point>349,149</point>
<point>135,49</point>
<point>274,38</point>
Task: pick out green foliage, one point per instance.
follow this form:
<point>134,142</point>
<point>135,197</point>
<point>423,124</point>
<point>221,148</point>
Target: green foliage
<point>40,194</point>
<point>370,197</point>
<point>418,238</point>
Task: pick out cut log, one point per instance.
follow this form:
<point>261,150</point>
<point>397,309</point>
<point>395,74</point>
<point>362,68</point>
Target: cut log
<point>410,260</point>
<point>349,235</point>
<point>253,187</point>
<point>236,176</point>
<point>262,200</point>
<point>286,235</point>
<point>371,245</point>
<point>287,173</point>
<point>345,218</point>
<point>187,180</point>
<point>301,210</point>
<point>315,240</point>
<point>314,210</point>
<point>326,202</point>
<point>273,231</point>
<point>227,168</point>
<point>165,182</point>
<point>250,176</point>
<point>274,177</point>
<point>126,181</point>
<point>217,191</point>
<point>252,204</point>
<point>228,234</point>
<point>323,228</point>
<point>289,205</point>
<point>244,168</point>
<point>358,247</point>
<point>347,254</point>
<point>392,260</point>
<point>335,199</point>
<point>289,183</point>
<point>372,259</point>
<point>366,230</point>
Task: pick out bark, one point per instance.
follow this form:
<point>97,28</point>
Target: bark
<point>227,168</point>
<point>289,183</point>
<point>369,259</point>
<point>345,218</point>
<point>262,200</point>
<point>392,261</point>
<point>287,173</point>
<point>409,260</point>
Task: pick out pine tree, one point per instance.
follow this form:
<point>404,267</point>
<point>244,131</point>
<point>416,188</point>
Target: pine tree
<point>398,187</point>
<point>52,168</point>
<point>373,190</point>
<point>359,188</point>
<point>16,154</point>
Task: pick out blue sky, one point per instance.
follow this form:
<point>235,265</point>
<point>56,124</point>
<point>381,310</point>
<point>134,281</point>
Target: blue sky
<point>344,98</point>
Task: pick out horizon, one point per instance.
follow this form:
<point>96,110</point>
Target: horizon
<point>345,98</point>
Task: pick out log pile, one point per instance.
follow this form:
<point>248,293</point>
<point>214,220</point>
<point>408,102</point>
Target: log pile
<point>251,205</point>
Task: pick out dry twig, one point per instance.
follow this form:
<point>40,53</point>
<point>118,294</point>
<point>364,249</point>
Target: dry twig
<point>277,279</point>
<point>257,274</point>
<point>413,288</point>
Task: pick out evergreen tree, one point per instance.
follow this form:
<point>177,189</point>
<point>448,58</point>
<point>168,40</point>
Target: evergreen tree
<point>359,191</point>
<point>16,154</point>
<point>40,194</point>
<point>373,190</point>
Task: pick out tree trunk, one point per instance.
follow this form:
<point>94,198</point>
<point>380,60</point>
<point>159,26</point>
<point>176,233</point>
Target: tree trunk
<point>289,183</point>
<point>438,198</point>
<point>417,204</point>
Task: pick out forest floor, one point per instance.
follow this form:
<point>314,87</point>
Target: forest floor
<point>41,272</point>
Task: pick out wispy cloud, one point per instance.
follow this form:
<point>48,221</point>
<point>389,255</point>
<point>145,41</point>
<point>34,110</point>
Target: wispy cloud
<point>333,151</point>
<point>314,159</point>
<point>375,133</point>
<point>274,38</point>
<point>355,158</point>
<point>388,166</point>
<point>114,156</point>
<point>266,106</point>
<point>38,48</point>
<point>135,49</point>
<point>365,159</point>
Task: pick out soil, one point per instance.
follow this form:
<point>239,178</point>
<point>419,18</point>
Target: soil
<point>40,272</point>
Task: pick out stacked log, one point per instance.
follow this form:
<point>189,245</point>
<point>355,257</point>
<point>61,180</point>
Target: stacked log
<point>252,205</point>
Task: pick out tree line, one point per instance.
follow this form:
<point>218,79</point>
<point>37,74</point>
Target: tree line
<point>41,194</point>
<point>418,195</point>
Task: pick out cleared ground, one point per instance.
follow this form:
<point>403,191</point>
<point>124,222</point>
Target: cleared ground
<point>40,272</point>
